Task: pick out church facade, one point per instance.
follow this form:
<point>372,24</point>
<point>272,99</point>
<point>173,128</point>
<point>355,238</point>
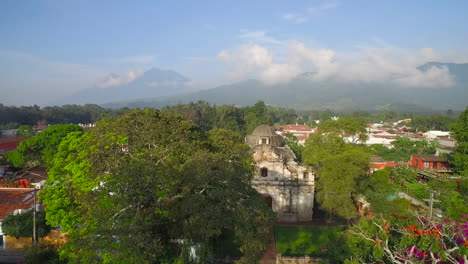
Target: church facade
<point>287,186</point>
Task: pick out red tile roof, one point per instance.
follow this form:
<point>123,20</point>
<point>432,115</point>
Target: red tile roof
<point>11,200</point>
<point>429,157</point>
<point>294,127</point>
<point>8,140</point>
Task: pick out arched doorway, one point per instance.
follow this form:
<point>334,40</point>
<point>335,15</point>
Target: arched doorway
<point>269,201</point>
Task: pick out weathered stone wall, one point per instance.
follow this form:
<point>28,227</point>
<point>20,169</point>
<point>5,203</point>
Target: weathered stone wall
<point>297,260</point>
<point>280,177</point>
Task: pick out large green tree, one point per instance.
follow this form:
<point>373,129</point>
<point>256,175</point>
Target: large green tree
<point>338,165</point>
<point>41,148</point>
<point>149,187</point>
<point>381,190</point>
<point>353,129</point>
<point>460,133</point>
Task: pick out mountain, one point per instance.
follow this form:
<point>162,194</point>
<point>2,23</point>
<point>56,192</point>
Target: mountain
<point>301,93</point>
<point>152,83</point>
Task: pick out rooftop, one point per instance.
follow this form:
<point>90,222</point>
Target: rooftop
<point>34,174</point>
<point>263,130</point>
<point>8,140</point>
<point>429,157</point>
<point>12,199</point>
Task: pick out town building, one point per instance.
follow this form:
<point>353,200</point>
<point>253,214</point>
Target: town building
<point>288,186</point>
<point>378,163</point>
<point>434,134</point>
<point>301,132</point>
<point>428,161</point>
<point>14,201</point>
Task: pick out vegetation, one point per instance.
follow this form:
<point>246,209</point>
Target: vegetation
<point>407,239</point>
<point>293,143</point>
<point>382,195</point>
<point>241,120</point>
<point>432,122</point>
<point>150,187</point>
<point>338,165</point>
<point>460,133</point>
<point>42,254</point>
<point>25,131</point>
<point>453,195</point>
<point>404,148</point>
<point>14,116</point>
<point>306,241</point>
<point>21,225</point>
<point>40,149</point>
<point>352,129</point>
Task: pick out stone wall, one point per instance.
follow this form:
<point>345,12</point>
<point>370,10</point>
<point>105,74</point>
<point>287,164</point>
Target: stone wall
<point>297,260</point>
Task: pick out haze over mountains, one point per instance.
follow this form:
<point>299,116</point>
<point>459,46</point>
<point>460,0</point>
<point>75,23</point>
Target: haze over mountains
<point>157,88</point>
<point>134,85</point>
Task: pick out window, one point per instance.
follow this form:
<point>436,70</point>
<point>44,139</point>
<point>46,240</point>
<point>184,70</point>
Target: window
<point>426,164</point>
<point>264,141</point>
<point>305,175</point>
<point>264,172</point>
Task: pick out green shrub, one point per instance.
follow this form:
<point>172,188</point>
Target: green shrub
<point>42,254</point>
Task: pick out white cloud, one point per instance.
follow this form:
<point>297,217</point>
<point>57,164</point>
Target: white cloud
<point>258,37</point>
<point>313,11</point>
<point>248,60</point>
<point>322,7</point>
<point>295,18</point>
<point>386,65</point>
<point>115,80</point>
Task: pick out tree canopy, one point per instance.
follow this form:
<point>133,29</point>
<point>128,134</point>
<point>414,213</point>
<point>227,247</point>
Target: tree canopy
<point>404,147</point>
<point>338,165</point>
<point>352,128</point>
<point>150,187</point>
<point>460,133</point>
<point>41,148</point>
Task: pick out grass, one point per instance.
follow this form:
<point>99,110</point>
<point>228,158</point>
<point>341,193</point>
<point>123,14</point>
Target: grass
<point>417,190</point>
<point>301,241</point>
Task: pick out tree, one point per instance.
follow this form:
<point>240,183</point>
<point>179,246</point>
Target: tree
<point>256,115</point>
<point>354,129</point>
<point>41,148</point>
<point>21,225</point>
<point>25,131</point>
<point>338,165</point>
<point>381,193</point>
<point>404,147</point>
<point>293,143</point>
<point>42,254</point>
<point>149,187</point>
<point>460,133</point>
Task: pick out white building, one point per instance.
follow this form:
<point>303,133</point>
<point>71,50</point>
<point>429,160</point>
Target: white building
<point>434,134</point>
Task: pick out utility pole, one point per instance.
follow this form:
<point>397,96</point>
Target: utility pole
<point>431,203</point>
<point>34,219</point>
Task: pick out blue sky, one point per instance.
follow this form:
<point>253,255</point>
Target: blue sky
<point>50,49</point>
